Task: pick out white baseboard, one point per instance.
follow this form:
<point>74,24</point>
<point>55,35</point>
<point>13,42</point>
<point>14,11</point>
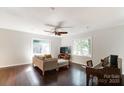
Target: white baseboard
<point>14,65</point>
<point>76,63</point>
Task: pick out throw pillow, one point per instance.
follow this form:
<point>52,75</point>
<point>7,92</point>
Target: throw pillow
<point>48,56</point>
<point>41,57</point>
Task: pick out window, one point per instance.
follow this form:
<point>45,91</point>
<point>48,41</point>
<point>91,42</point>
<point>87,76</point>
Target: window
<point>41,47</point>
<point>82,47</point>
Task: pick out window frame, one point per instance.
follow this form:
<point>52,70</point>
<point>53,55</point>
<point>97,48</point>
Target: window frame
<point>40,39</point>
<point>90,50</point>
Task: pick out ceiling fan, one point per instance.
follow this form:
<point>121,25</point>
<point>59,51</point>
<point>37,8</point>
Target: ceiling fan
<point>56,32</point>
<point>56,28</point>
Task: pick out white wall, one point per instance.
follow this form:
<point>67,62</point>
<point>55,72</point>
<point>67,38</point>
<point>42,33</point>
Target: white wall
<point>105,42</point>
<point>16,47</point>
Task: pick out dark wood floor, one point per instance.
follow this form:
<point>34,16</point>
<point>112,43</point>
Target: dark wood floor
<point>26,75</point>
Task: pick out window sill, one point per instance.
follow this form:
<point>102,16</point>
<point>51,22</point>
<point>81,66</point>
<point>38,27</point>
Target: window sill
<point>82,55</point>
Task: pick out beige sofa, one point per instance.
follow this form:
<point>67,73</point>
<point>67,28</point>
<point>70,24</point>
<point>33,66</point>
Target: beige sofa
<point>45,64</point>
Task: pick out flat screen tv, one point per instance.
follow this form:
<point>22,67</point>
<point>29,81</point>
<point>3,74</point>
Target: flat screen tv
<point>64,50</point>
<point>114,60</point>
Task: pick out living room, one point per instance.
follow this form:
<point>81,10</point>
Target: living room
<point>29,32</point>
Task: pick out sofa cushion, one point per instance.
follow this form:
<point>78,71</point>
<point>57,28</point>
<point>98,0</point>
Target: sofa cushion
<point>47,56</point>
<point>63,62</point>
<point>41,57</point>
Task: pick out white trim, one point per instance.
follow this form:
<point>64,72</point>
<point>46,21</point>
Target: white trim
<point>82,55</point>
<point>76,63</point>
<point>14,65</point>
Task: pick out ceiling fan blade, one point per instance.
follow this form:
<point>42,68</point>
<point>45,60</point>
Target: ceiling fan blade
<point>48,31</point>
<point>63,32</point>
<point>57,33</point>
<point>50,25</point>
<point>64,27</point>
<point>60,23</point>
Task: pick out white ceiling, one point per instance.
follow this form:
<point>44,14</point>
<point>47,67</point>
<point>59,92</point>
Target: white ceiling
<point>81,19</point>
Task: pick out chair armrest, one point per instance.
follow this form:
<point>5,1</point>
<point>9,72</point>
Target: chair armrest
<point>37,62</point>
<point>35,59</point>
<point>50,64</point>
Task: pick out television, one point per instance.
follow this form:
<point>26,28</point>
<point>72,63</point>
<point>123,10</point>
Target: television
<point>64,50</point>
<point>114,61</point>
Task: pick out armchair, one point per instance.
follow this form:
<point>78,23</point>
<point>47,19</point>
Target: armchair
<point>64,56</point>
<point>64,60</point>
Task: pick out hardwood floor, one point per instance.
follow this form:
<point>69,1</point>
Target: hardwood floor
<point>26,75</point>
